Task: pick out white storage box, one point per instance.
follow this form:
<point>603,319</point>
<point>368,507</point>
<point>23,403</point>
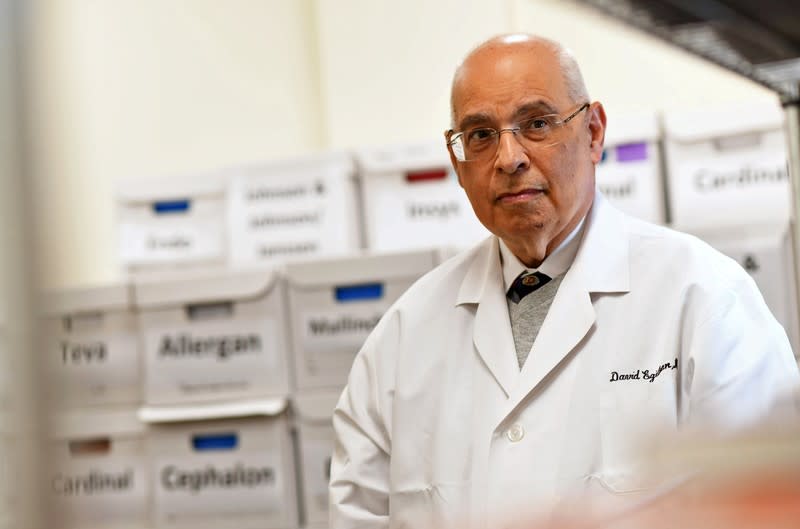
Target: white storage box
<point>765,251</point>
<point>335,303</point>
<point>225,473</point>
<point>91,349</point>
<point>293,208</point>
<point>630,173</point>
<point>727,168</point>
<point>99,474</point>
<point>6,362</point>
<point>314,412</point>
<point>412,199</point>
<point>169,223</point>
<point>213,337</point>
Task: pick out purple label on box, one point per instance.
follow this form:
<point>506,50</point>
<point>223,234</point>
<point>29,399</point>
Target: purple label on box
<point>631,152</point>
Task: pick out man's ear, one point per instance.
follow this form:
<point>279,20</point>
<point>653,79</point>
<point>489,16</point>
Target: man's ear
<point>597,131</point>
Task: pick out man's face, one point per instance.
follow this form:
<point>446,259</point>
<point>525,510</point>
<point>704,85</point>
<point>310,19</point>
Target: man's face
<point>531,195</point>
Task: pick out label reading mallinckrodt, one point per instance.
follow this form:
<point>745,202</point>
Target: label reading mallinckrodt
<point>196,484</point>
<point>213,359</point>
<point>344,331</point>
<point>271,217</point>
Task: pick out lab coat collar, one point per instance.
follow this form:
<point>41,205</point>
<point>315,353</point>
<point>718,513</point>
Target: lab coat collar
<point>601,266</point>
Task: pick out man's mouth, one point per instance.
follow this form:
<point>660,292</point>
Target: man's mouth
<point>519,196</point>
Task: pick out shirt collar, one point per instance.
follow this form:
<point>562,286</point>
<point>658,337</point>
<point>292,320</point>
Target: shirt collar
<point>553,265</point>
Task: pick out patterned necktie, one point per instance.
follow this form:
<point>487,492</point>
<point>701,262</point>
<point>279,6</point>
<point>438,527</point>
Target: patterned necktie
<point>525,283</point>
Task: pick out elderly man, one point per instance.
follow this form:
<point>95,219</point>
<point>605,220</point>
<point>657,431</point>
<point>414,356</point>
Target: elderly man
<point>519,373</point>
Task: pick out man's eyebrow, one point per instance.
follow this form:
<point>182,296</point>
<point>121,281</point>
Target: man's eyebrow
<point>540,108</point>
<point>474,119</point>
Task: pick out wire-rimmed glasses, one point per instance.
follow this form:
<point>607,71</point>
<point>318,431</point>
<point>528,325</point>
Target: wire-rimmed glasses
<point>481,142</point>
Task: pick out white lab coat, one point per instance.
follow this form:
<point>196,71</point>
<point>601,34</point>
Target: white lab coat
<point>438,425</point>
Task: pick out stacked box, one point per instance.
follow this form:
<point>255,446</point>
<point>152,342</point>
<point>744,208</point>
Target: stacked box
<point>91,350</point>
<point>727,167</point>
<point>629,174</point>
<point>98,472</point>
<point>172,223</point>
<point>334,305</point>
<point>235,472</point>
<point>213,337</point>
<point>412,199</point>
<point>765,252</point>
<point>290,209</point>
<point>315,435</point>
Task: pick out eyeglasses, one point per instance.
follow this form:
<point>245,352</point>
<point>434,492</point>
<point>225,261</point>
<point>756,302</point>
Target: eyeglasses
<point>480,143</point>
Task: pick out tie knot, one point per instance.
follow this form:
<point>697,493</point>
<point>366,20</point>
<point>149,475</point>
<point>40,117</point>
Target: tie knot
<point>525,283</point>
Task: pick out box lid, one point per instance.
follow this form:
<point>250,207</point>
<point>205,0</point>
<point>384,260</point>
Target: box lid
<point>317,406</point>
<point>322,164</point>
<point>217,410</point>
<point>630,128</point>
<point>93,423</point>
<point>110,297</point>
<point>203,286</point>
<point>367,267</point>
<point>409,157</point>
<point>208,184</point>
<point>702,124</point>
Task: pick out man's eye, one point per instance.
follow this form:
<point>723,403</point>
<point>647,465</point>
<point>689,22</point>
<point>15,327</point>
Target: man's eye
<point>538,124</point>
<point>480,134</point>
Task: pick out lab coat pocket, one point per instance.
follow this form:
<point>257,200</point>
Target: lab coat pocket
<point>433,507</point>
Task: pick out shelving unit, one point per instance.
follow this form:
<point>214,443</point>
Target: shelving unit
<point>758,40</point>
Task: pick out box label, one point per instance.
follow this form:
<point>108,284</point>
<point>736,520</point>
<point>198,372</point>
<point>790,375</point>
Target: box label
<point>170,240</point>
<point>327,332</point>
<point>272,217</point>
<point>100,488</point>
<point>95,366</point>
<point>403,215</point>
<point>730,190</point>
<point>210,358</point>
<point>233,483</point>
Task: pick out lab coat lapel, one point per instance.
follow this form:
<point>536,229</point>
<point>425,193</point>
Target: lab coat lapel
<point>483,285</point>
<point>600,266</point>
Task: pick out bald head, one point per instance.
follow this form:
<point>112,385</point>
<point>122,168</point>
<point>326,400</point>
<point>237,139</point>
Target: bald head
<point>502,46</point>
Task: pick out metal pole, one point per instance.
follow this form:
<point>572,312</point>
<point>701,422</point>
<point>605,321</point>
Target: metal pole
<point>793,151</point>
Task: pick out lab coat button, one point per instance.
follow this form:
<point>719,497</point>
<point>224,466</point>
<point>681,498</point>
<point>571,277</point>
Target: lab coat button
<point>515,433</point>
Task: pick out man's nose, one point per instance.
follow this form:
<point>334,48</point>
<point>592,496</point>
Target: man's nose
<point>511,155</point>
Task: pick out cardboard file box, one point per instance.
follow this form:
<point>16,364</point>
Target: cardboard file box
<point>213,337</point>
<point>91,347</point>
<point>315,435</point>
<point>629,174</point>
<point>765,252</point>
<point>294,208</point>
<point>172,223</point>
<point>99,474</point>
<point>727,167</point>
<point>225,473</point>
<point>335,303</point>
<point>412,199</point>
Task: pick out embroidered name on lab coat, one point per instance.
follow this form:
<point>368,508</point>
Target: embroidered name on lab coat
<point>644,374</point>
